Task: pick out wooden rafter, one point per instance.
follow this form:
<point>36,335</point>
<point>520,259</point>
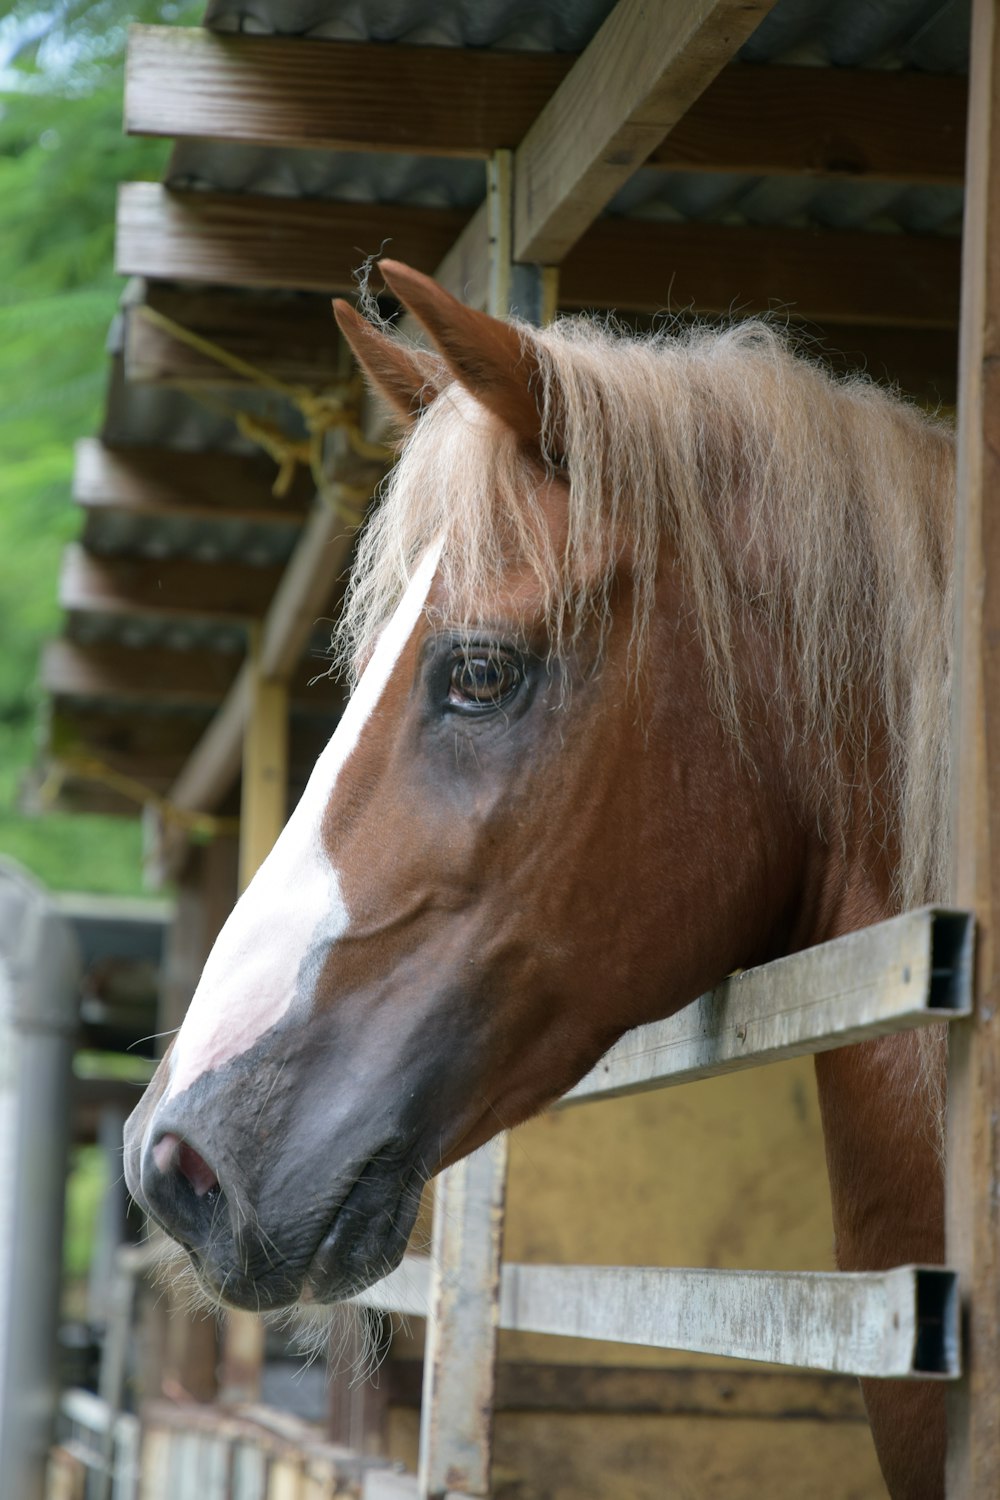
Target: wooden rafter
<point>638,77</point>
<point>164,678</point>
<point>359,96</point>
<point>237,239</point>
<point>836,276</point>
<point>289,338</point>
<point>165,482</point>
<point>116,585</point>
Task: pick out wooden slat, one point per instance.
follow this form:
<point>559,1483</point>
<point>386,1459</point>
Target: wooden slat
<point>913,970</point>
<point>230,591</point>
<point>641,73</point>
<point>292,338</point>
<point>361,96</point>
<point>237,239</point>
<point>166,482</point>
<point>850,1323</point>
<point>900,1323</point>
<point>973,1141</point>
<point>830,276</point>
<point>456,1425</point>
<point>854,277</point>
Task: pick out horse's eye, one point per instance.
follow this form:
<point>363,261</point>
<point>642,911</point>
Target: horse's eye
<point>482,680</point>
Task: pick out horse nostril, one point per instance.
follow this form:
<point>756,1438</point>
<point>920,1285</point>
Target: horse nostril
<point>172,1154</point>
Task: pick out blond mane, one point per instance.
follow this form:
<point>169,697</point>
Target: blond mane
<point>822,506</point>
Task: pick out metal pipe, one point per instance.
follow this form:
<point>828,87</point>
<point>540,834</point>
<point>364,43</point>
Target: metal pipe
<point>39,969</point>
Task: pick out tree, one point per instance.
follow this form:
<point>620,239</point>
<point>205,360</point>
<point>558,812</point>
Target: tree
<point>62,153</point>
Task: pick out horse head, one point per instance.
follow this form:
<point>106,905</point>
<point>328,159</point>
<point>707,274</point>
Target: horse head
<point>537,823</point>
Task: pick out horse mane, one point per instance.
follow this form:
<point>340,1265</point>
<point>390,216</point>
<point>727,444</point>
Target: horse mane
<point>822,506</point>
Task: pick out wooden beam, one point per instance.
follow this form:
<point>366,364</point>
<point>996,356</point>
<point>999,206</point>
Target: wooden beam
<point>912,970</point>
<point>165,678</point>
<point>115,585</point>
<point>831,276</point>
<point>364,96</point>
<point>333,96</point>
<point>840,276</point>
<point>902,1323</point>
<point>973,1141</point>
<point>238,239</point>
<point>290,337</point>
<point>879,126</point>
<point>638,77</point>
<point>166,482</point>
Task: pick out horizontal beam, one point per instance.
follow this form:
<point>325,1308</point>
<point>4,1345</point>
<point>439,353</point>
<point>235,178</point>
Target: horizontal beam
<point>900,1323</point>
<point>831,276</point>
<point>238,239</point>
<point>167,482</point>
<point>165,678</point>
<point>835,276</point>
<point>333,96</point>
<point>913,970</point>
<point>289,337</point>
<point>287,92</point>
<point>175,587</point>
<point>638,77</point>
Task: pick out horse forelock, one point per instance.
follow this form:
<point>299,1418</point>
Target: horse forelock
<point>823,506</point>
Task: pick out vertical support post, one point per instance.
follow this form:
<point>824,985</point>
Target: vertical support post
<point>456,1427</point>
<point>263,810</point>
<point>973,1182</point>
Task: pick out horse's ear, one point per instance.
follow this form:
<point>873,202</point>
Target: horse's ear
<point>492,359</point>
<point>407,378</point>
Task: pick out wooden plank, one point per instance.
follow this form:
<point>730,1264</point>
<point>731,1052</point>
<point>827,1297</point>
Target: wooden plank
<point>973,1143</point>
<point>239,239</point>
<point>875,125</point>
<point>442,101</point>
<point>456,1423</point>
<point>844,276</point>
<point>641,73</point>
<point>166,482</point>
<point>913,970</point>
<point>177,587</point>
<point>615,1390</point>
<point>126,674</point>
<point>333,96</point>
<point>901,1323</point>
<point>291,337</point>
<point>166,678</point>
<point>831,276</point>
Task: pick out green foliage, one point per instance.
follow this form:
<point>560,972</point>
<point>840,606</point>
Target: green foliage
<point>62,154</point>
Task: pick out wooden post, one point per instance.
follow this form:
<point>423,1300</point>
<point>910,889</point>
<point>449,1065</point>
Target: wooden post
<point>263,810</point>
<point>974,1068</point>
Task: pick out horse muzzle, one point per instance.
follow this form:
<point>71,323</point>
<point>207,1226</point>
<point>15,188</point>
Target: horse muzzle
<point>286,1236</point>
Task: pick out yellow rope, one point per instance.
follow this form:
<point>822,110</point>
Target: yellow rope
<point>322,411</point>
<point>89,768</point>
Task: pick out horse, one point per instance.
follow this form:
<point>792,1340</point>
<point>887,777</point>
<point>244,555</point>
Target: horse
<point>649,643</point>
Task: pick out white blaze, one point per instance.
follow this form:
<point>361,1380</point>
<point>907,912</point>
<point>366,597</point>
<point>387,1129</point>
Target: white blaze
<point>249,979</point>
